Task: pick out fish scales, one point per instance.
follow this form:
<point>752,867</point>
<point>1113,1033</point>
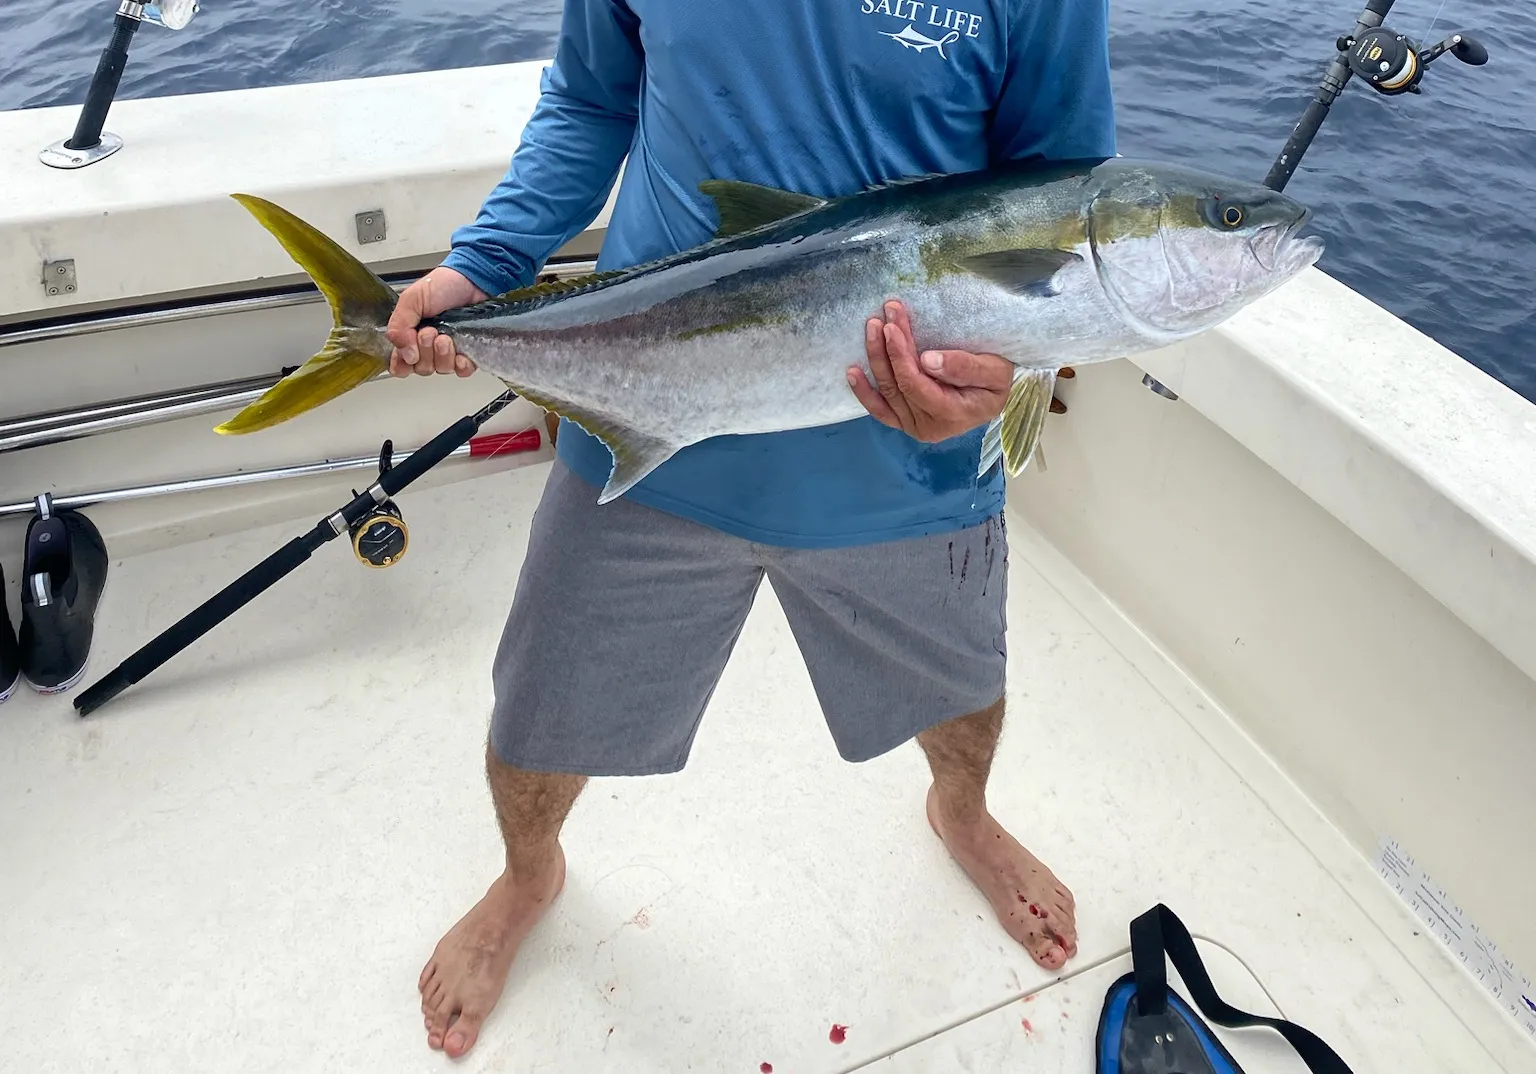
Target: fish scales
<point>704,347</point>
<point>753,332</point>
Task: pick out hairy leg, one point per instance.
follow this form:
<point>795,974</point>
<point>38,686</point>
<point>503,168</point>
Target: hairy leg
<point>467,972</point>
<point>1033,906</point>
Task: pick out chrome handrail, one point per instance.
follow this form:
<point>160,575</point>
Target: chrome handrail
<point>60,426</point>
<point>89,324</point>
<point>489,446</point>
<point>111,321</point>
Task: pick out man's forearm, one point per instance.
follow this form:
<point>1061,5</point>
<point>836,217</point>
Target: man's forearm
<point>564,167</point>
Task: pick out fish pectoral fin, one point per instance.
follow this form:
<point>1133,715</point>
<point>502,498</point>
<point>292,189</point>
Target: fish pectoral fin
<point>1022,272</point>
<point>1014,434</point>
<point>635,453</point>
<point>991,447</point>
<point>747,206</point>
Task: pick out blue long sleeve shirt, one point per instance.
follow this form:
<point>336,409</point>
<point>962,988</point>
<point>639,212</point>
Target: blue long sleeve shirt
<point>824,97</point>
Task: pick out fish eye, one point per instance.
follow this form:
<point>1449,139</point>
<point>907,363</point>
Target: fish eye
<point>1223,214</point>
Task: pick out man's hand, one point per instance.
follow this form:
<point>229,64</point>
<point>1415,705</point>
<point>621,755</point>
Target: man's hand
<point>945,394</point>
<point>424,351</point>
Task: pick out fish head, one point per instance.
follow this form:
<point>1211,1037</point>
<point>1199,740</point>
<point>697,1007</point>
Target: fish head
<point>1179,251</point>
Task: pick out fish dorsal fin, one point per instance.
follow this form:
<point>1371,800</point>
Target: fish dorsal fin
<point>635,453</point>
<point>747,206</point>
<point>557,287</point>
<point>905,180</point>
<point>531,296</point>
<point>1022,272</point>
<point>1015,433</point>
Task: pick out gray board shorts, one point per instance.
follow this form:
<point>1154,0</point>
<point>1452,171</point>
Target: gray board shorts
<point>625,615</point>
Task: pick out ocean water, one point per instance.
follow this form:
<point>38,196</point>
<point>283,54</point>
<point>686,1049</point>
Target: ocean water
<point>1428,202</point>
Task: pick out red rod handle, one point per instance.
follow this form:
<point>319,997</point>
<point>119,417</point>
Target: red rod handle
<point>482,447</point>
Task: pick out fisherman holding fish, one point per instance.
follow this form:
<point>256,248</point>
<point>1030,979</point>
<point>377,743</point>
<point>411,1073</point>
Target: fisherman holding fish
<point>719,423</point>
<point>868,517</point>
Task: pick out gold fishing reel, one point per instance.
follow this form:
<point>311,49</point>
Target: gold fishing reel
<point>381,537</point>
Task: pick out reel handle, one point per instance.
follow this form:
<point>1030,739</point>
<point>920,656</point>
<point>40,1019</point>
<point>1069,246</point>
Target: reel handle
<point>381,536</point>
<point>1466,48</point>
<point>1385,60</point>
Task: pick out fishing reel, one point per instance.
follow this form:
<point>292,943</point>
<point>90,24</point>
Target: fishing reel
<point>1387,61</point>
<point>1391,63</point>
<point>380,538</point>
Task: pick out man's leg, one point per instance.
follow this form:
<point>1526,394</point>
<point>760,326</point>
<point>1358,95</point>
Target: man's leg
<point>1033,906</point>
<point>623,620</point>
<point>898,638</point>
<point>465,976</point>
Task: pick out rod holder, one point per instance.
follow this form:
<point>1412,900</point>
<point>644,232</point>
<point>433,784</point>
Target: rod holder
<point>90,143</point>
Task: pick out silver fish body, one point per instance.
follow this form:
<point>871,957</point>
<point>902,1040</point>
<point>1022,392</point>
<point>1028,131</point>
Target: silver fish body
<point>753,332</point>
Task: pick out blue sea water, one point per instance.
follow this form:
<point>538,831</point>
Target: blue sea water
<point>1428,202</point>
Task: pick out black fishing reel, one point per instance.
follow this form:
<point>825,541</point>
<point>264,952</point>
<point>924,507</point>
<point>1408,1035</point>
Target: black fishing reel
<point>1387,61</point>
<point>1391,63</point>
<point>380,538</point>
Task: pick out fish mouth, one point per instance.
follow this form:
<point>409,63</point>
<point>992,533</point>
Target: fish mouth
<point>1282,249</point>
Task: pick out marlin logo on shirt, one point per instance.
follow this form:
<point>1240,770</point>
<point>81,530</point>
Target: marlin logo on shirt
<point>919,42</point>
<point>949,24</point>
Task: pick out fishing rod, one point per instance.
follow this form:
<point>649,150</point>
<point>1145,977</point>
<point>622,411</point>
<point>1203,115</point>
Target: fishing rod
<point>371,518</point>
<point>1388,62</point>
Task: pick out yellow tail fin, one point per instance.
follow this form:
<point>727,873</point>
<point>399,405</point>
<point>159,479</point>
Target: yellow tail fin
<point>356,350</point>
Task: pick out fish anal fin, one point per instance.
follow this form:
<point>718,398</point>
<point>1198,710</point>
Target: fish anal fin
<point>635,453</point>
<point>1015,434</point>
<point>1022,272</point>
<point>747,206</point>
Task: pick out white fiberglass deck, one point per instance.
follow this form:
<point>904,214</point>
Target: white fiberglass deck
<point>242,863</point>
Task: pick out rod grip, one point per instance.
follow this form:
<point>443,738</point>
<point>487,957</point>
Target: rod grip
<point>109,72</point>
<point>204,618</point>
<point>1296,146</point>
<point>428,455</point>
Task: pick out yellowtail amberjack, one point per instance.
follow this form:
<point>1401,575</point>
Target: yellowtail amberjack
<point>753,331</point>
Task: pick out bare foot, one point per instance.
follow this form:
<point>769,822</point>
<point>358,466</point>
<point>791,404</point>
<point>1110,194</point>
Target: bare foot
<point>1033,906</point>
<point>464,978</point>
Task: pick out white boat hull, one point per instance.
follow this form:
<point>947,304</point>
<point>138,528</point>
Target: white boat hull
<point>1255,633</point>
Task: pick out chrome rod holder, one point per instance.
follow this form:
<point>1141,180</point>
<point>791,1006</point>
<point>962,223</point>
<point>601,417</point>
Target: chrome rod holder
<point>90,142</point>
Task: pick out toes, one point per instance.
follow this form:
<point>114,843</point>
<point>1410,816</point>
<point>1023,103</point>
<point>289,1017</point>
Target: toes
<point>463,1032</point>
<point>1062,927</point>
<point>437,1021</point>
<point>1064,937</point>
<point>1047,950</point>
<point>427,973</point>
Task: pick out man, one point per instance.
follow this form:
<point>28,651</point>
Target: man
<point>626,613</point>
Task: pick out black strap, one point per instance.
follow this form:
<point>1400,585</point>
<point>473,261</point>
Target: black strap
<point>1159,930</point>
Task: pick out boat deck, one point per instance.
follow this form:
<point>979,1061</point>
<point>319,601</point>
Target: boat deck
<point>242,863</point>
